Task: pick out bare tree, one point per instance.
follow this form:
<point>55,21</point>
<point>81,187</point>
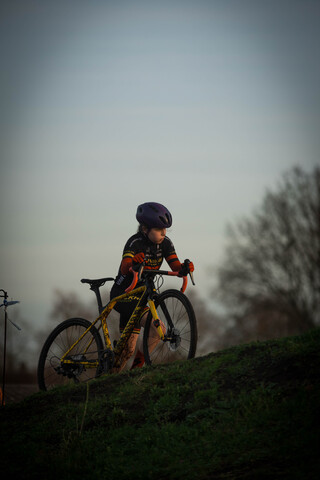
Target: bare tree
<point>69,304</point>
<point>270,277</point>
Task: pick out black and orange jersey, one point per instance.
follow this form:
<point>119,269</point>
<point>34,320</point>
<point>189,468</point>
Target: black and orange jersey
<point>154,255</point>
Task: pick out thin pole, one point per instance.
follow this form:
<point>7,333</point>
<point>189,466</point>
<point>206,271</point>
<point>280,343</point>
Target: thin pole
<point>5,296</point>
<point>4,356</point>
<point>5,304</point>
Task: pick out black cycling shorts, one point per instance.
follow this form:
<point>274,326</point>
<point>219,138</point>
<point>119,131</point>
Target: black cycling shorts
<point>125,308</point>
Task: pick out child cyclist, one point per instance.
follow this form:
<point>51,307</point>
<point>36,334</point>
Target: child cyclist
<point>149,245</point>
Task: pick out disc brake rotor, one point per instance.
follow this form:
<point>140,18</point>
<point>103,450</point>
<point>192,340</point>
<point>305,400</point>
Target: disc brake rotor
<point>174,339</point>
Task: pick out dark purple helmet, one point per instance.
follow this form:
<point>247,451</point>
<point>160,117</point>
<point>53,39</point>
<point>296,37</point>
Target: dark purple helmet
<point>154,215</point>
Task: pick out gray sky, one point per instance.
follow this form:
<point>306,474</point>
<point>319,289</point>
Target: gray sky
<point>200,105</point>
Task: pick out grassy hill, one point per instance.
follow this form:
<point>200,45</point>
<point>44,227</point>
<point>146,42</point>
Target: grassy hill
<point>248,412</point>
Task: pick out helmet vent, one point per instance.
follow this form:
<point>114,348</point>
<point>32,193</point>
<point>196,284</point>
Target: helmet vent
<point>165,219</point>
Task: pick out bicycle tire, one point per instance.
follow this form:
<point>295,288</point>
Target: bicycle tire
<point>181,330</point>
<point>50,372</point>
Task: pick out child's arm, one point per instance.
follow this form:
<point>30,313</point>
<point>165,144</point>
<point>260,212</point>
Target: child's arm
<point>176,266</point>
<point>174,262</point>
<point>130,260</point>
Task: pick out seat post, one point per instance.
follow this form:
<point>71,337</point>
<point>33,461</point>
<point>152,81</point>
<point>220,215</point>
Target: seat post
<point>95,286</point>
<point>96,290</point>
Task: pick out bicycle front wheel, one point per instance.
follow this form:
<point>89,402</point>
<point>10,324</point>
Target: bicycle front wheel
<point>179,325</point>
<point>82,362</point>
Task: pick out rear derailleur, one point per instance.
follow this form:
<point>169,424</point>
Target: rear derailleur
<point>72,370</point>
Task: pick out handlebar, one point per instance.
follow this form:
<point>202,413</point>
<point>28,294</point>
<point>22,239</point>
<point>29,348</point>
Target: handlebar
<point>137,276</point>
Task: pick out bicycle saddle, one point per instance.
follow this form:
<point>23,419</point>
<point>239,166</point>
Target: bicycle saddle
<point>98,282</point>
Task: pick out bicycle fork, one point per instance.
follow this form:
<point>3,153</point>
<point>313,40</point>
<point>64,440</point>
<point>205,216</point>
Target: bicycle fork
<point>156,320</point>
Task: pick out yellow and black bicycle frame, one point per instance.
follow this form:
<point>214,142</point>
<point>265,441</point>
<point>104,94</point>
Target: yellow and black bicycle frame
<point>141,294</point>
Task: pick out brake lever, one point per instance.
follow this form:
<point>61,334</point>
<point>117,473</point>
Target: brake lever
<point>186,262</point>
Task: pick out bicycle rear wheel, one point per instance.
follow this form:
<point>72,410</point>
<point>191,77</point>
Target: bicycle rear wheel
<point>179,325</point>
<point>83,358</point>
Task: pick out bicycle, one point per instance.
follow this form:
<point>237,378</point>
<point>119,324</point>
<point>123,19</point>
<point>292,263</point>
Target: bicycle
<point>74,350</point>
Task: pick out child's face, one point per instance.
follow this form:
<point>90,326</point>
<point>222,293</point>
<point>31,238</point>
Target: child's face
<point>156,235</point>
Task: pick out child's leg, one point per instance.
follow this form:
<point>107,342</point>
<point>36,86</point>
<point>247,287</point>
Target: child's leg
<point>128,351</point>
<point>125,309</point>
<point>153,341</point>
<point>138,361</point>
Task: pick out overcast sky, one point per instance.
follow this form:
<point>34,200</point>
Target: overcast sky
<point>199,105</point>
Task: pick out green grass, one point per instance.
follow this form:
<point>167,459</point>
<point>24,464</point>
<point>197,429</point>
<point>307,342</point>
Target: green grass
<point>248,412</point>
